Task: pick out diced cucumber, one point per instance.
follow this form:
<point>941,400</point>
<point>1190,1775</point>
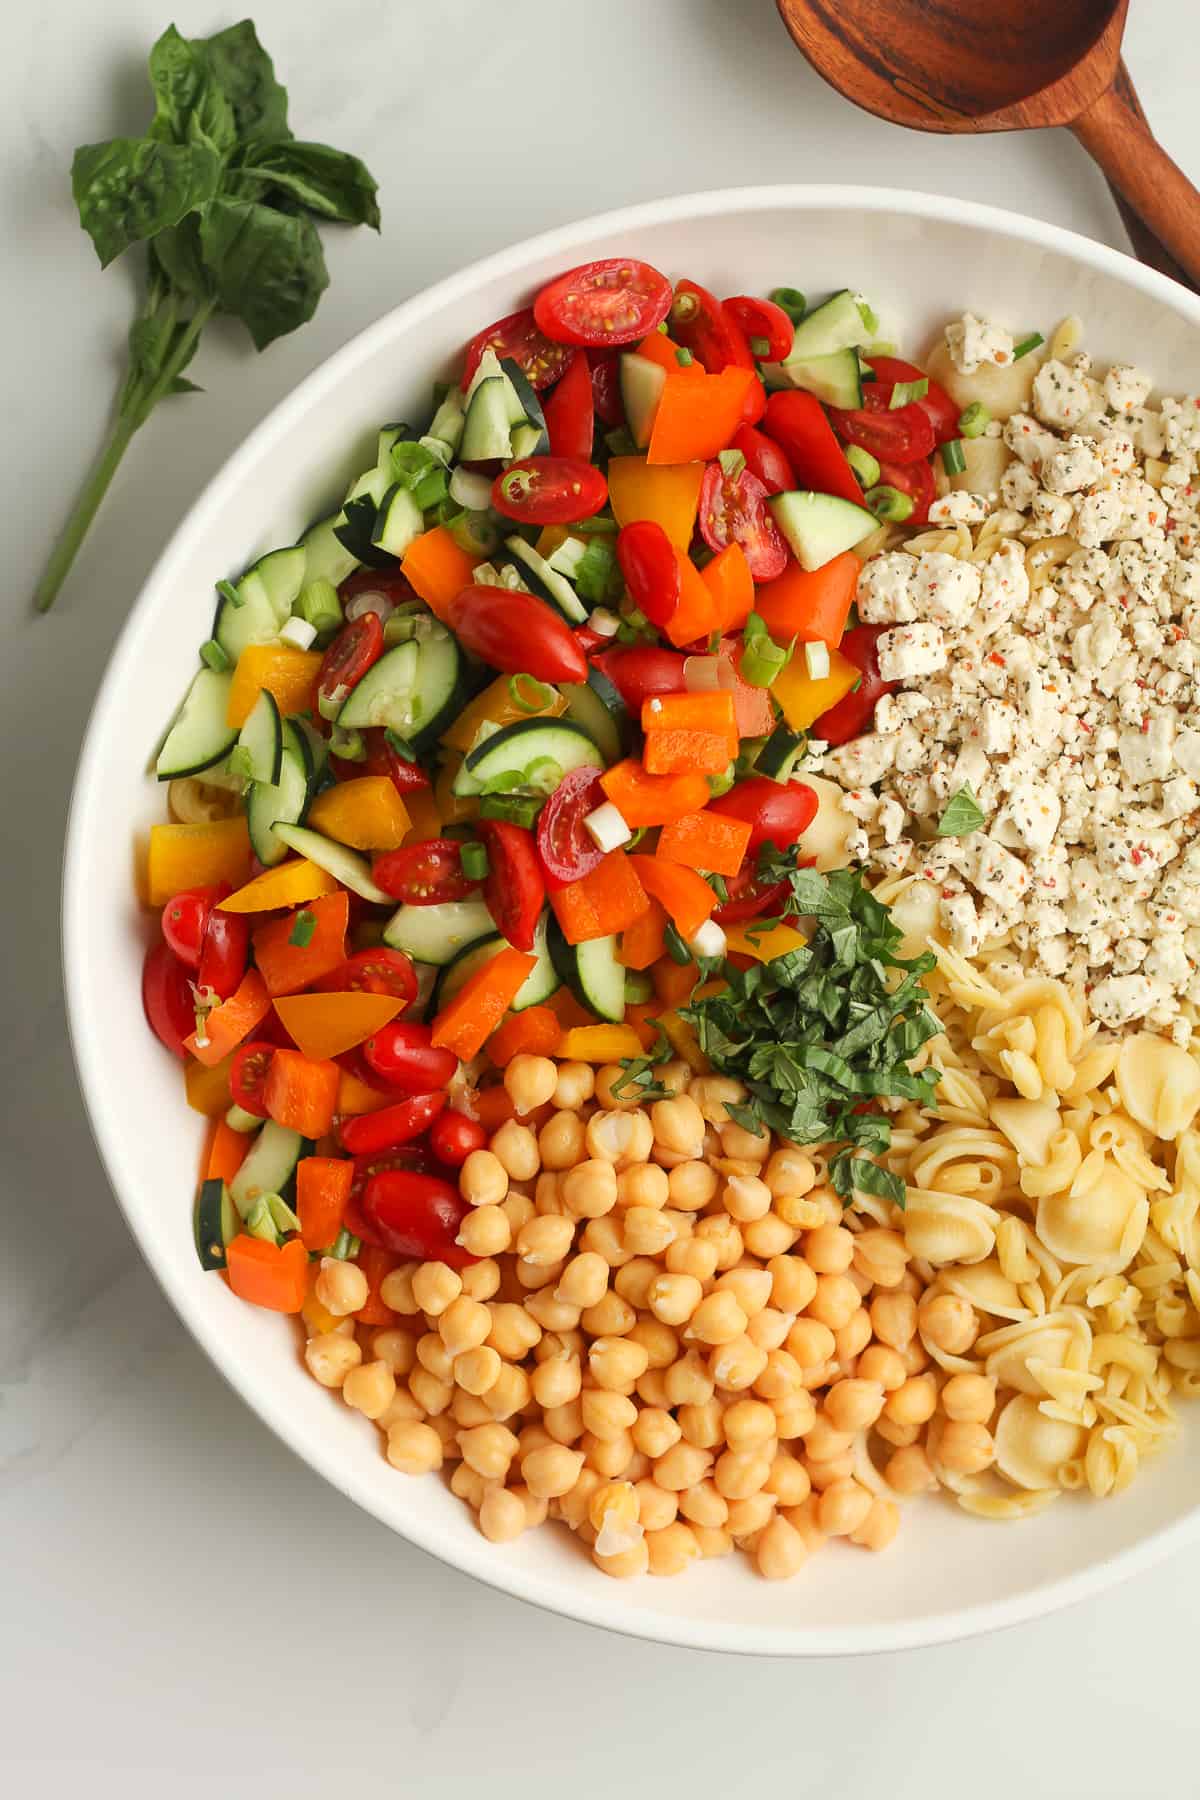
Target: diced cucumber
<point>346,866</point>
<point>780,751</point>
<point>316,751</point>
<point>245,615</point>
<point>487,431</point>
<point>389,436</point>
<point>449,419</point>
<point>281,802</point>
<point>819,527</point>
<point>546,582</point>
<point>355,526</point>
<point>591,971</point>
<point>326,558</point>
<point>835,380</point>
<point>511,751</point>
<point>215,1222</point>
<point>567,558</point>
<point>642,383</point>
<point>837,324</point>
<point>199,737</point>
<point>269,1165</point>
<point>259,752</point>
<point>398,521</point>
<point>542,980</point>
<point>282,575</point>
<point>527,440</point>
<point>413,688</point>
<point>437,934</point>
<point>599,708</point>
<point>486,369</point>
<point>531,408</point>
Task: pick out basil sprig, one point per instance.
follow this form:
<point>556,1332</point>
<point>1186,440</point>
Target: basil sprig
<point>963,814</point>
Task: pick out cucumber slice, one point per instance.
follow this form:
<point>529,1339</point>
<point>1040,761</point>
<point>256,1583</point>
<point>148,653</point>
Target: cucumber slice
<point>355,525</point>
<point>316,754</point>
<point>599,708</point>
<point>487,430</point>
<point>512,749</point>
<point>325,557</point>
<point>487,369</point>
<point>546,582</point>
<point>437,934</point>
<point>215,1223</point>
<point>281,573</point>
<point>389,435</point>
<point>413,688</point>
<point>346,866</point>
<point>398,521</point>
<point>642,383</point>
<point>199,737</point>
<point>819,527</point>
<point>591,971</point>
<point>780,751</point>
<point>542,980</point>
<point>837,324</point>
<point>449,419</point>
<point>269,1165</point>
<point>259,750</point>
<point>270,805</point>
<point>835,380</point>
<point>527,440</point>
<point>245,616</point>
<point>532,415</point>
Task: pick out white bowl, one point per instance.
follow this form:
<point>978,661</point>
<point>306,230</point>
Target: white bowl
<point>920,259</point>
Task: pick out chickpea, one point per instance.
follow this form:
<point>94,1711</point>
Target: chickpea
<point>901,1436</point>
<point>800,1211</point>
<point>330,1358</point>
<point>692,1256</point>
<point>788,1480</point>
<point>396,1347</point>
<point>626,1563</point>
<point>611,1076</point>
<point>738,1364</point>
<point>516,1148</point>
<point>502,1516</point>
<point>341,1287</point>
<point>369,1388</point>
<point>882,1256</point>
<point>835,1302</point>
<point>966,1447</point>
<point>829,1249</point>
<point>914,1403</point>
<point>769,1328</point>
<point>401,1407</point>
<point>909,1471</point>
<point>781,1551</point>
<point>678,1125</point>
<point>469,1485</point>
<point>881,1364</point>
<point>395,1290</point>
<point>550,1314</point>
<point>483,1179</point>
<point>769,1236</point>
<point>674,1298</point>
<point>467,1410</point>
<point>648,1230</point>
<point>513,1331</point>
<point>824,1474</point>
<point>560,1141</point>
<point>718,1319</point>
<point>843,1508</point>
<point>565,1423</point>
<point>431,1393</point>
<point>414,1448</point>
<point>702,1504</point>
<point>605,1414</point>
<point>654,1431</point>
<point>546,1240</point>
<point>805,1519</point>
<point>584,1280</point>
<point>659,1342</point>
<point>701,1425</point>
<point>634,1281</point>
<point>556,1381</point>
<point>530,1081</point>
<point>714,1094</point>
<point>616,1363</point>
<point>575,1505</point>
<point>794,1417</point>
<point>740,1473</point>
<point>789,1171</point>
<point>793,1283</point>
<point>712,1541</point>
<point>670,1550</point>
<point>683,1466</point>
<point>745,1146</point>
<point>623,1139</point>
<point>782,1377</point>
<point>688,1381</point>
<point>606,1238</point>
<point>611,1457</point>
<point>721,1230</point>
<point>948,1322</point>
<point>518,1209</point>
<point>433,1355</point>
<point>489,1450</point>
<point>651,1388</point>
<point>749,1516</point>
<point>894,1319</point>
<point>611,1317</point>
<point>477,1371</point>
<point>852,1405</point>
<point>574,1086</point>
<point>915,1357</point>
<point>969,1398</point>
<point>642,1185</point>
<point>879,1527</point>
<point>811,1342</point>
<point>589,1190</point>
<point>464,1325</point>
<point>691,1184</point>
<point>485,1232</point>
<point>852,1338</point>
<point>551,1471</point>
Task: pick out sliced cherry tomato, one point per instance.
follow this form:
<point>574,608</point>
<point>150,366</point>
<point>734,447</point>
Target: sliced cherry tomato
<point>391,584</point>
<point>763,319</point>
<point>406,777</point>
<point>519,338</point>
<point>414,1157</point>
<point>381,759</point>
<point>749,898</point>
<point>417,1216</point>
<point>588,640</point>
<point>565,849</point>
<point>570,412</point>
<point>797,423</point>
<point>605,366</point>
<point>167,998</point>
<point>225,954</point>
<point>776,811</point>
<point>609,302</point>
<point>651,569</point>
<point>915,480</point>
<point>453,1136</point>
<point>403,1055</point>
<point>549,490</point>
<point>755,403</point>
<point>641,671</point>
<point>248,1075</point>
<point>374,971</point>
<point>513,888</point>
<point>516,633</point>
<point>764,459</point>
<point>733,509</point>
<point>903,434</point>
<point>942,410</point>
<point>185,920</point>
<point>424,874</point>
<point>368,1133</point>
<point>854,714</point>
<point>700,324</point>
<point>355,648</point>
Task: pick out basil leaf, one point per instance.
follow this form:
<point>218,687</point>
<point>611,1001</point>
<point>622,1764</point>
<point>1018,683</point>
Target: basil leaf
<point>245,74</point>
<point>267,267</point>
<point>130,188</point>
<point>330,183</point>
<point>963,814</point>
<point>191,105</point>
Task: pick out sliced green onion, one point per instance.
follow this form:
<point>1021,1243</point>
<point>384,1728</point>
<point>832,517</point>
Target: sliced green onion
<point>228,592</point>
<point>478,533</point>
<point>347,743</point>
<point>684,358</point>
<point>889,504</point>
<point>867,313</point>
<point>411,462</point>
<point>882,347</point>
<point>953,460</point>
<point>762,657</point>
<point>638,988</point>
<point>732,463</point>
<point>474,860</point>
<point>721,784</point>
<point>282,1214</point>
<point>1032,342</point>
<point>528,694</point>
<point>760,347</point>
<point>215,655</point>
<point>431,489</point>
<point>792,301</point>
<point>318,603</point>
<point>974,420</point>
<point>683,308</point>
<point>517,809</point>
<point>905,392</point>
<point>401,746</point>
<point>597,576</point>
<point>503,783</point>
<point>620,443</point>
<point>598,525</point>
<point>344,1246</point>
<point>259,1222</point>
<point>303,926</point>
<point>543,775</point>
<point>865,466</point>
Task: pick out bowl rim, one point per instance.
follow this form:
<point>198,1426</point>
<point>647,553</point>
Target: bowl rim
<point>609,1605</point>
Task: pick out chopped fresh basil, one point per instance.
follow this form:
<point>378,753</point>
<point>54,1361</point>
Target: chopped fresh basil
<point>303,926</point>
<point>963,814</point>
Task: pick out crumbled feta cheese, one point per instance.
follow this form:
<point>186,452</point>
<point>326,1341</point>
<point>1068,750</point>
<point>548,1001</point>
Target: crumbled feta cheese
<point>946,589</point>
<point>1073,467</point>
<point>1018,487</point>
<point>912,650</point>
<point>1060,396</point>
<point>972,340</point>
<point>1125,389</point>
<point>1030,818</point>
<point>884,595</point>
<point>1121,998</point>
<point>959,507</point>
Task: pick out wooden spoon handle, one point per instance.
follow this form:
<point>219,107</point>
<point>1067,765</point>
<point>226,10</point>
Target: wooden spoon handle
<point>1145,244</point>
<point>1140,169</point>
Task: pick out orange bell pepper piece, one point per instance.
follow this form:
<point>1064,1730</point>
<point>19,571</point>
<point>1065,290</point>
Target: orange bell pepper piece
<point>705,840</point>
<point>376,1265</point>
<point>226,1150</point>
<point>322,1190</point>
<point>287,967</point>
<point>288,884</point>
<point>607,900</point>
<point>496,706</point>
<point>327,1025</point>
<point>689,712</point>
<point>659,348</point>
<point>425,815</point>
<point>534,1032</point>
<point>468,1020</point>
<point>728,579</point>
<point>367,813</point>
<point>235,1018</point>
<point>288,673</point>
<point>186,856</point>
<point>270,1275</point>
<point>695,615</point>
<point>644,941</point>
<point>436,568</point>
<point>698,415</point>
<point>668,496</point>
<point>643,799</point>
<point>208,1089</point>
<point>812,605</point>
<point>681,752</point>
<point>673,982</point>
<point>568,1011</point>
<point>301,1094</point>
<point>685,895</point>
<point>641,1016</point>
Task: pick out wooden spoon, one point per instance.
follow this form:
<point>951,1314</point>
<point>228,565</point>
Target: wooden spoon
<point>954,65</point>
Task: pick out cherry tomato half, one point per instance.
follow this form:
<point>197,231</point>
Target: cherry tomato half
<point>516,633</point>
<point>942,410</point>
<point>610,302</point>
<point>404,1056</point>
<point>549,490</point>
<point>565,849</point>
<point>570,411</point>
<point>248,1075</point>
<point>513,888</point>
<point>167,998</point>
<point>605,366</point>
<point>749,898</point>
<point>374,971</point>
<point>700,324</point>
<point>417,1215</point>
<point>424,874</point>
<point>185,920</point>
<point>854,713</point>
<point>369,1133</point>
<point>764,459</point>
<point>519,338</point>
<point>355,648</point>
<point>915,480</point>
<point>452,1137</point>
<point>225,953</point>
<point>650,567</point>
<point>382,1162</point>
<point>733,509</point>
<point>763,319</point>
<point>903,434</point>
<point>776,811</point>
<point>405,776</point>
<point>641,671</point>
<point>390,583</point>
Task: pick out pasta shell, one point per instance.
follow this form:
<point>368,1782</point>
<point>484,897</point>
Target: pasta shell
<point>1031,1448</point>
<point>1003,391</point>
<point>915,914</point>
<point>1159,1084</point>
<point>1044,1341</point>
<point>1096,1220</point>
<point>948,1228</point>
<point>1029,1126</point>
<point>987,1288</point>
<point>825,838</point>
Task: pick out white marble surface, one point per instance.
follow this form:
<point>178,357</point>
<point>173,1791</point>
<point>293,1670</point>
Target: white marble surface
<point>130,1660</point>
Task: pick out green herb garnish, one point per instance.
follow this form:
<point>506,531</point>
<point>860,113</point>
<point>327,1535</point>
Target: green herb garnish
<point>1032,342</point>
<point>303,926</point>
<point>638,1074</point>
<point>904,393</point>
<point>963,814</point>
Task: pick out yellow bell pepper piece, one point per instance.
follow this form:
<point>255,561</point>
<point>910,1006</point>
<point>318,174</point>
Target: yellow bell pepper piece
<point>290,674</point>
<point>599,1043</point>
<point>496,706</point>
<point>804,700</point>
<point>208,1089</point>
<point>289,884</point>
<point>552,538</point>
<point>453,808</point>
<point>327,1025</point>
<point>683,1040</point>
<point>367,813</point>
<point>355,1096</point>
<point>425,821</point>
<point>187,856</point>
<point>668,494</point>
<point>763,945</point>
